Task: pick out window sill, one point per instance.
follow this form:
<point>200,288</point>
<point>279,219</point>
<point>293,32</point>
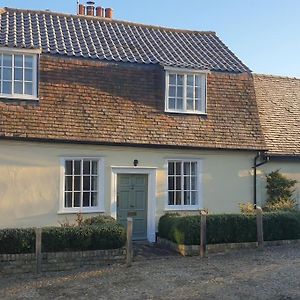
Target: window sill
<point>18,98</point>
<point>183,208</point>
<point>186,112</point>
<point>81,211</point>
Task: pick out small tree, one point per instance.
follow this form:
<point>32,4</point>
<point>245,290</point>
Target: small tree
<point>280,192</point>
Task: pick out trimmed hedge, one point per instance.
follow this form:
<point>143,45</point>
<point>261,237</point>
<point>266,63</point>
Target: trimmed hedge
<point>16,241</point>
<point>229,228</point>
<point>57,239</point>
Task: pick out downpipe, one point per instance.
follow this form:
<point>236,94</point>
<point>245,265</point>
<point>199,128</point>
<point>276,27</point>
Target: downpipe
<point>263,158</point>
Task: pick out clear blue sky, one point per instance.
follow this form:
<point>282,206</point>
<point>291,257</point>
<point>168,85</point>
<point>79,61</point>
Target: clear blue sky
<point>264,34</point>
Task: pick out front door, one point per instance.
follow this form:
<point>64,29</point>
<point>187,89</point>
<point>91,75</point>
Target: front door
<point>132,202</point>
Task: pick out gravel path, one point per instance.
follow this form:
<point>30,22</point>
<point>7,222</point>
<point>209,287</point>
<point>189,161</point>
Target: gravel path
<point>249,274</point>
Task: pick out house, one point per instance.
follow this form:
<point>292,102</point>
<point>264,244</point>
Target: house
<point>106,116</point>
<point>278,100</point>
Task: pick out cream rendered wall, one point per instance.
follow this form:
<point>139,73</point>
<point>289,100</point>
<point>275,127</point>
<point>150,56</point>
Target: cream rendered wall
<point>30,178</point>
<point>289,168</point>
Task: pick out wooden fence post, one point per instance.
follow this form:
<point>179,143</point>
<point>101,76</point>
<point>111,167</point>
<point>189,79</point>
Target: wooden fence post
<point>129,252</point>
<point>259,225</point>
<point>203,234</point>
<point>38,249</point>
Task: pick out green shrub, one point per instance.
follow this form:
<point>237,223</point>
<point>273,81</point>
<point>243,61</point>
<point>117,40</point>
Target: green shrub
<point>57,239</point>
<point>281,205</point>
<point>99,220</point>
<point>247,208</point>
<point>231,228</point>
<point>15,241</point>
<point>279,187</point>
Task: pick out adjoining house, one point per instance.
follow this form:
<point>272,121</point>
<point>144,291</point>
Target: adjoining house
<point>278,100</point>
<point>106,116</point>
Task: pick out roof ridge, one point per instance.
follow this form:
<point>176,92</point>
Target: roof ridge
<point>275,76</point>
<point>158,27</point>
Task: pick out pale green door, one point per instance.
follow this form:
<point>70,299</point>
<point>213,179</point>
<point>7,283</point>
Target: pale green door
<point>132,202</point>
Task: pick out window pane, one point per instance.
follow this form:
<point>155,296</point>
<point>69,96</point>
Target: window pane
<point>86,199</point>
<point>171,183</point>
<point>77,167</point>
<point>172,102</point>
<point>7,87</point>
<point>178,183</point>
<point>28,75</point>
<point>28,88</point>
<point>198,92</point>
<point>94,167</point>
<point>77,199</point>
<point>18,87</point>
<point>179,103</point>
<point>190,80</point>
<point>69,168</point>
<point>7,60</point>
<point>86,167</point>
<point>94,200</point>
<point>94,180</point>
<point>180,79</point>
<point>180,92</point>
<point>172,91</point>
<point>186,168</point>
<point>187,198</point>
<point>193,198</point>
<point>18,61</point>
<point>178,198</point>
<point>194,182</point>
<point>171,168</point>
<point>68,183</point>
<point>171,198</point>
<point>28,61</point>
<point>193,168</point>
<point>199,105</point>
<point>68,199</point>
<point>77,183</point>
<point>86,183</point>
<point>18,74</point>
<point>187,183</point>
<point>7,74</point>
<point>172,79</point>
<point>178,168</point>
<point>190,92</point>
<point>198,80</point>
<point>189,104</point>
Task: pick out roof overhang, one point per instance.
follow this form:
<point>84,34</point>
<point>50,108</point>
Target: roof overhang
<point>186,70</point>
<point>287,157</point>
<point>21,50</point>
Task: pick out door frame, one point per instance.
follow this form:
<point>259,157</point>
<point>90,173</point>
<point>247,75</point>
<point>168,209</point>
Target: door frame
<point>151,207</point>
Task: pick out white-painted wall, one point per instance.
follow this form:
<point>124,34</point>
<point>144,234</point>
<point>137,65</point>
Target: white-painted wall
<point>30,178</point>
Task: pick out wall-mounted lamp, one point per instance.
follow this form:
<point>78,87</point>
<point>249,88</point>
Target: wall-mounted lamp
<point>135,162</point>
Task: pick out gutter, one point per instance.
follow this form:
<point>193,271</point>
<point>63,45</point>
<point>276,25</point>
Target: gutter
<point>264,159</point>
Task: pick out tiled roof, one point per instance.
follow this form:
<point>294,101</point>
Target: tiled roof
<point>278,100</point>
<point>92,101</point>
<point>105,39</point>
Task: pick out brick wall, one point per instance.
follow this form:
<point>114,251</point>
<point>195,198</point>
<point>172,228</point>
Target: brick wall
<point>60,261</point>
<point>102,102</point>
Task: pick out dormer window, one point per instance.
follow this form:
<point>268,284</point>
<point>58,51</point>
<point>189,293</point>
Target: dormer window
<point>18,76</point>
<point>185,92</point>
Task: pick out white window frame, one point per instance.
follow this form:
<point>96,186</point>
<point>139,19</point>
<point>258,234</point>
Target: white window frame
<point>185,73</point>
<point>199,202</point>
<point>100,191</point>
<point>30,52</point>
